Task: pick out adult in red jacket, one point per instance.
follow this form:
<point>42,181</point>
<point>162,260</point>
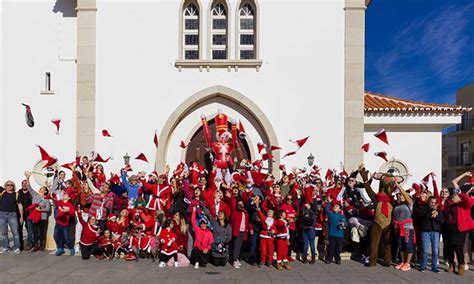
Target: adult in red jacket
<point>90,235</point>
<point>65,210</point>
<point>218,205</point>
<point>240,227</point>
<point>291,214</point>
<point>203,239</point>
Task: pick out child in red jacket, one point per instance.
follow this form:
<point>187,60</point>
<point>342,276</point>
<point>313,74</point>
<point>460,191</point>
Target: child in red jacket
<point>282,240</point>
<point>169,247</point>
<point>65,210</point>
<point>106,246</point>
<point>203,239</point>
<point>89,235</point>
<point>267,240</point>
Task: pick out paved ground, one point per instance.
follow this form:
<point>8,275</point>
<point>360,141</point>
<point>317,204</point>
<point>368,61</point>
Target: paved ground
<point>46,268</point>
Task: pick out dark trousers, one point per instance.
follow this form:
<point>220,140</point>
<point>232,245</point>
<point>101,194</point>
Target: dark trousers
<point>165,258</point>
<point>451,250</point>
<point>107,251</point>
<point>378,235</point>
<point>86,251</point>
<point>61,237</point>
<point>335,247</point>
<point>198,256</point>
<point>237,245</point>
<point>219,261</point>
<point>39,233</point>
<point>292,245</point>
<point>253,246</point>
<point>29,229</point>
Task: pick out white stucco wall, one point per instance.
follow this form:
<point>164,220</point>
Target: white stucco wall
<point>300,86</point>
<point>416,141</point>
<point>35,40</point>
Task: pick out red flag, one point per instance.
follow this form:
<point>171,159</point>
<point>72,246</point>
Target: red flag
<point>183,144</point>
<point>242,133</point>
<point>289,154</point>
<point>260,147</point>
<point>44,155</point>
<point>155,140</point>
<point>106,133</point>
<point>382,155</point>
<point>57,123</point>
<point>366,147</point>
<point>273,148</point>
<point>382,135</point>
<point>300,142</point>
<point>267,157</point>
<point>141,157</point>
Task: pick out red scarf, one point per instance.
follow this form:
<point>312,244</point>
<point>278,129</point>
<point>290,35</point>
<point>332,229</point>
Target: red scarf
<point>382,197</point>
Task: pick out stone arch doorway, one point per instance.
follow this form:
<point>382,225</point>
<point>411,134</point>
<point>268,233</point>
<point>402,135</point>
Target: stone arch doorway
<point>197,148</point>
<point>230,98</point>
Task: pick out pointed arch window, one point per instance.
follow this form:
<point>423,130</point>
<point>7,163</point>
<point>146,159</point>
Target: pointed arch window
<point>191,34</point>
<point>219,31</point>
<point>247,31</point>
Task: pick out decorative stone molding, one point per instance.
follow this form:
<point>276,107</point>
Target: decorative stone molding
<point>215,64</point>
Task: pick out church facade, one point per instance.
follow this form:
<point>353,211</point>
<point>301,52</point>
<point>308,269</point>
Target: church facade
<point>285,69</point>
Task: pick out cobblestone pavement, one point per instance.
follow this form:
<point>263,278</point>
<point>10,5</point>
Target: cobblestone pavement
<point>46,268</point>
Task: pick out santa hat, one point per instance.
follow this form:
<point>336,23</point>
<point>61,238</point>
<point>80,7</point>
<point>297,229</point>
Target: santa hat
<point>155,140</point>
<point>51,161</point>
<point>111,216</point>
<point>329,174</point>
<point>68,166</point>
<point>343,174</point>
<point>141,157</point>
<point>154,174</point>
<point>57,123</point>
<point>289,154</point>
<point>180,169</point>
<point>300,142</point>
<point>282,167</point>
<point>242,133</point>
<point>316,171</point>
<point>260,147</point>
<point>96,157</point>
<point>258,178</point>
<point>365,147</point>
<point>382,155</point>
<point>273,148</point>
<point>44,155</point>
<point>382,135</point>
<point>183,144</point>
<point>426,179</point>
<point>115,178</point>
<point>269,182</point>
<point>267,156</point>
<point>106,133</point>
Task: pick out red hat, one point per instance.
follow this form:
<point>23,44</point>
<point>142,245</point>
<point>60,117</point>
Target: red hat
<point>382,155</point>
<point>289,154</point>
<point>44,155</point>
<point>68,165</point>
<point>115,179</point>
<point>343,174</point>
<point>267,156</point>
<point>382,135</point>
<point>51,161</point>
<point>300,142</point>
<point>365,147</point>
<point>426,179</point>
<point>258,178</point>
<point>282,167</point>
<point>155,140</point>
<point>106,133</point>
<point>96,157</point>
<point>242,133</point>
<point>329,174</point>
<point>154,173</point>
<point>471,180</point>
<point>221,123</point>
<point>141,157</point>
<point>111,215</point>
<point>260,147</point>
<point>57,123</point>
<point>269,182</point>
<point>183,144</point>
<point>180,169</point>
<point>273,148</point>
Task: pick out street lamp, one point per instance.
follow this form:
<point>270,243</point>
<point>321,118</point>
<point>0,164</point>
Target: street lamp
<point>310,159</point>
<point>126,159</point>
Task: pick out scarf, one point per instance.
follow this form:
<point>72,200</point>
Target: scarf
<point>384,199</point>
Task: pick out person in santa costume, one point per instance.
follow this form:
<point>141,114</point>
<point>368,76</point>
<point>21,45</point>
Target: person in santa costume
<point>291,213</point>
<point>282,239</point>
<point>169,247</point>
<point>106,246</point>
<point>161,192</point>
<point>267,237</point>
<point>89,236</point>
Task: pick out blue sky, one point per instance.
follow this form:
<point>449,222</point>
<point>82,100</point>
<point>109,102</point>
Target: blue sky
<point>419,49</point>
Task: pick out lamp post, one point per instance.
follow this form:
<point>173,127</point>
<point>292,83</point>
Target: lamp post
<point>310,160</point>
<point>126,159</point>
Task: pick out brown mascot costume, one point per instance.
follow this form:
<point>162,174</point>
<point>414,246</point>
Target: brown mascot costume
<point>380,230</point>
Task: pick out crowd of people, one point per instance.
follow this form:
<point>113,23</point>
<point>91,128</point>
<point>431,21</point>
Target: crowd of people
<point>196,215</point>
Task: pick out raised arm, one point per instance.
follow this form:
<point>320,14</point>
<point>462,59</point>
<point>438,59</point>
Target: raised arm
<point>404,193</point>
<point>365,177</point>
<point>459,178</point>
<point>205,128</point>
<point>92,186</point>
<point>126,185</point>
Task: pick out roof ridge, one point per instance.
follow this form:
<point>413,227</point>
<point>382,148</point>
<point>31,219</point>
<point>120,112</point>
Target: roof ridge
<point>421,104</point>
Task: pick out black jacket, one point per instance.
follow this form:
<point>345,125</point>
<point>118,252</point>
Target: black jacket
<point>426,222</point>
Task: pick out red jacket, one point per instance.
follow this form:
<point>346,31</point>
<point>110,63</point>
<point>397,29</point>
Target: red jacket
<point>90,234</point>
<point>62,218</point>
<point>235,223</point>
<point>223,207</point>
<point>168,241</point>
<point>282,229</point>
<point>203,239</point>
<point>268,225</point>
<point>465,222</point>
<point>290,213</point>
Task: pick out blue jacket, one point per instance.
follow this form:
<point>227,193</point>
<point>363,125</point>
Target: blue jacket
<point>334,220</point>
<point>131,189</point>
